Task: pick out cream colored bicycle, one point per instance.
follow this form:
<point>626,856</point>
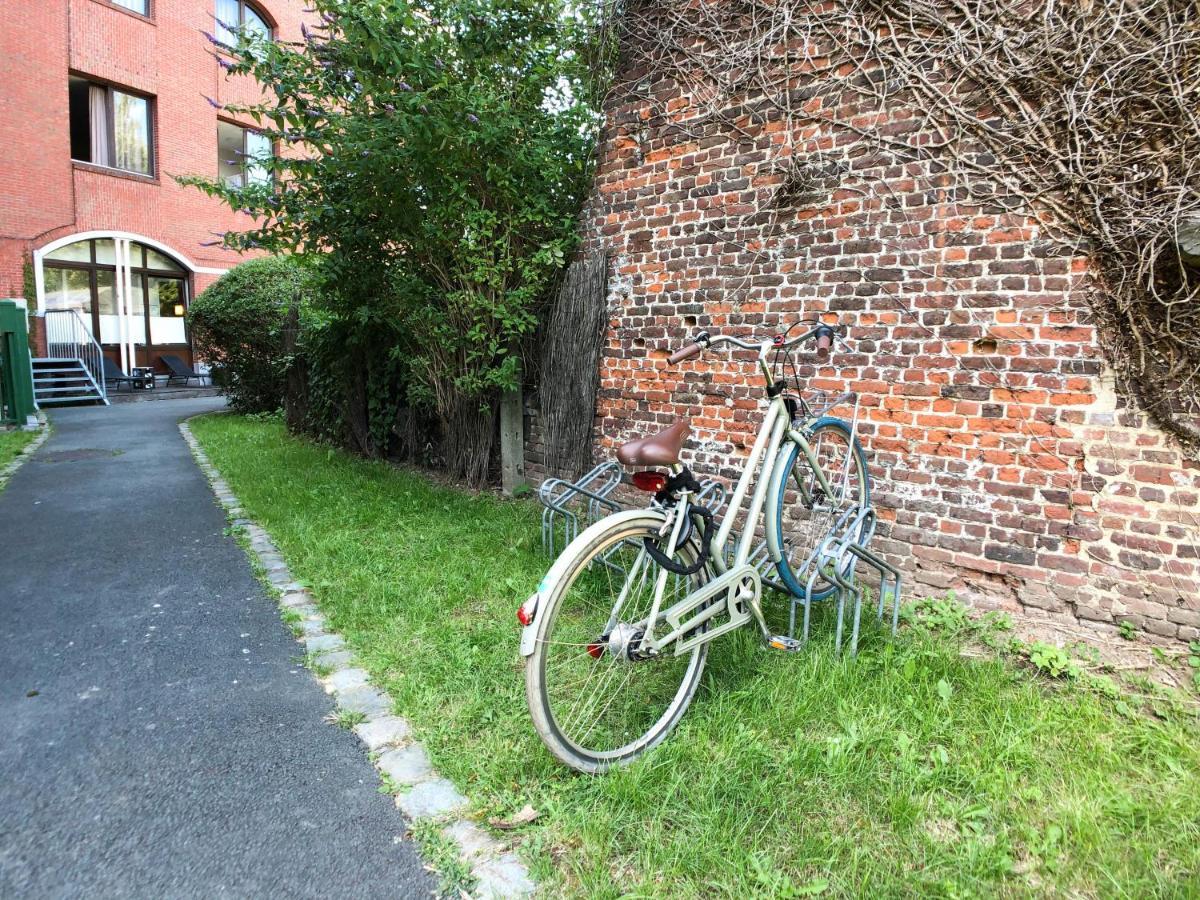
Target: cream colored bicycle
<point>616,636</point>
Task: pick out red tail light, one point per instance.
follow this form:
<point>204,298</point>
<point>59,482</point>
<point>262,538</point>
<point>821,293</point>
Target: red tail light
<point>527,610</point>
<point>652,482</point>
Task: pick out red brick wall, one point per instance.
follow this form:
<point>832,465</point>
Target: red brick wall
<point>43,195</point>
<point>1004,467</point>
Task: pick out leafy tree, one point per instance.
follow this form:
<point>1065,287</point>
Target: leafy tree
<point>437,154</point>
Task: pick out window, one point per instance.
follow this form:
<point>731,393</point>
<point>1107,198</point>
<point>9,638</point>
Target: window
<point>110,127</point>
<point>82,276</point>
<point>241,153</point>
<point>166,310</point>
<point>238,15</point>
<point>68,289</point>
<point>137,6</point>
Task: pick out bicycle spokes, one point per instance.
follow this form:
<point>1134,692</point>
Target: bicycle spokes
<point>604,689</point>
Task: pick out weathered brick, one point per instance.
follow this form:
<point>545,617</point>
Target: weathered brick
<point>1004,465</point>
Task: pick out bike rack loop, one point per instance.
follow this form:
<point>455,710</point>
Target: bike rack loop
<point>835,561</point>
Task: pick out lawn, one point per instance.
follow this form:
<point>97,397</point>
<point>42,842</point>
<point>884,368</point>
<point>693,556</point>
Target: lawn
<point>12,443</point>
<point>910,771</point>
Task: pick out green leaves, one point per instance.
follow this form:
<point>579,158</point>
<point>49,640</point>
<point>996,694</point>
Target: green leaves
<point>777,883</point>
<point>237,325</point>
<point>944,689</point>
<point>1054,661</point>
<point>437,154</point>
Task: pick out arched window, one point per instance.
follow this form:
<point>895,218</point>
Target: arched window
<point>238,15</point>
<point>82,276</point>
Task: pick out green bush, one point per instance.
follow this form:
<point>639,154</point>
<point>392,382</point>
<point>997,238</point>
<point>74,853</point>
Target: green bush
<point>237,326</point>
<point>348,387</point>
<point>350,383</point>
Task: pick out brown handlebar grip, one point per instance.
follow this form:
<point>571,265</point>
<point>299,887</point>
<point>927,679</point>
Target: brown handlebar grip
<point>824,342</point>
<point>684,353</point>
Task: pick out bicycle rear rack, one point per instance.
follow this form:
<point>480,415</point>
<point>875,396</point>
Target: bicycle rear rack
<point>835,561</point>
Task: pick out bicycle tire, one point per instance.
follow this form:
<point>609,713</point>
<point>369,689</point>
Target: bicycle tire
<point>567,747</point>
<point>789,457</point>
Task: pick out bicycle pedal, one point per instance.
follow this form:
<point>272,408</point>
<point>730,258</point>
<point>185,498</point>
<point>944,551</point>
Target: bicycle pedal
<point>787,644</point>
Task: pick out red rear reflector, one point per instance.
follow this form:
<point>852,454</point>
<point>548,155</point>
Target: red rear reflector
<point>524,616</point>
<point>649,481</point>
<point>595,651</point>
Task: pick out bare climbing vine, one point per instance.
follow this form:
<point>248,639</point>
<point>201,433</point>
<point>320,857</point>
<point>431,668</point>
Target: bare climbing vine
<point>1080,115</point>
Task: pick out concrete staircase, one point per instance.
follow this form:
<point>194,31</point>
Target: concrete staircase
<point>62,380</point>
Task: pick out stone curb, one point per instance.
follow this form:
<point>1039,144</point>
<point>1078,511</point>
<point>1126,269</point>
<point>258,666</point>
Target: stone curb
<point>27,451</point>
<point>422,794</point>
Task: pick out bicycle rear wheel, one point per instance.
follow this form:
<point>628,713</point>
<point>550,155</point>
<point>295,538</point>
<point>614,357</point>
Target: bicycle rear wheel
<point>799,525</point>
<point>596,701</point>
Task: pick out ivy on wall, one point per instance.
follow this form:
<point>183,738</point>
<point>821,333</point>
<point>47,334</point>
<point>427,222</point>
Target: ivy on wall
<point>1079,117</point>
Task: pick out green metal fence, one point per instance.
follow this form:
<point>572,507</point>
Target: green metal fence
<point>16,374</point>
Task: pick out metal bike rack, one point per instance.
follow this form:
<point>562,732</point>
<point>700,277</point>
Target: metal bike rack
<point>835,560</point>
<point>568,504</point>
<point>885,570</point>
<point>571,506</point>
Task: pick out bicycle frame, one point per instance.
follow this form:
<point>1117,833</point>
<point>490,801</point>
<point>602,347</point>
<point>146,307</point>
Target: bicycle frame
<point>739,578</point>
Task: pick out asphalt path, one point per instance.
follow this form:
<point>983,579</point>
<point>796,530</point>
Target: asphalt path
<point>158,737</point>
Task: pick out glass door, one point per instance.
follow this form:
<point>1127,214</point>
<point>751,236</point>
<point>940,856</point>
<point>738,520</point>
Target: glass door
<point>167,302</point>
<point>85,277</point>
<point>70,288</point>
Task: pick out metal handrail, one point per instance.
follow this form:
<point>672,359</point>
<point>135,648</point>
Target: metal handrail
<point>68,337</point>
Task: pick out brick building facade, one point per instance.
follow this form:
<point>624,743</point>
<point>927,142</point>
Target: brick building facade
<point>51,197</point>
<point>1005,466</point>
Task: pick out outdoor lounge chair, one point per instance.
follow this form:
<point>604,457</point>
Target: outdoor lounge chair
<point>114,375</point>
<point>180,369</point>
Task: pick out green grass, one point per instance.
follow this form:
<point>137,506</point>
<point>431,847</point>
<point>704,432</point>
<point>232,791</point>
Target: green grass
<point>12,443</point>
<point>912,771</point>
<point>345,718</point>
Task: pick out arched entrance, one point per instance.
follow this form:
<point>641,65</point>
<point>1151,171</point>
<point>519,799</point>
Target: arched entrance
<point>130,292</point>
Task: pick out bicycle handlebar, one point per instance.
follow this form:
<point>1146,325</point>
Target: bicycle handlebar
<point>685,352</point>
<point>825,335</point>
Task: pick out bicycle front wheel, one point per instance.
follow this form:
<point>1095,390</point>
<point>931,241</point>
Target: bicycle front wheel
<point>801,513</point>
<point>597,699</point>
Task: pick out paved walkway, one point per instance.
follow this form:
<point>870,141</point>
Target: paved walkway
<point>157,736</point>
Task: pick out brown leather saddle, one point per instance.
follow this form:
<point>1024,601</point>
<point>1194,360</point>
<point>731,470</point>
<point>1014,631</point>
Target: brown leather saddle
<point>660,449</point>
